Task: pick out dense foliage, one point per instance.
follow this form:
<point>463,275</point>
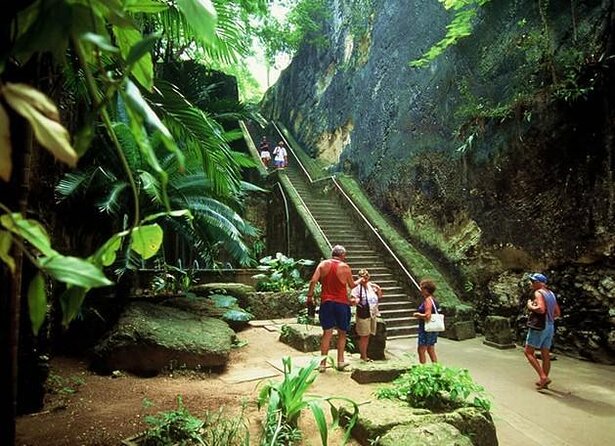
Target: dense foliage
<point>436,387</point>
<point>153,158</point>
<point>280,273</point>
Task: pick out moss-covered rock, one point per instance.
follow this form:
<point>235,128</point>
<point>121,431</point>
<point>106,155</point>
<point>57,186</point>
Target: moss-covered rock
<point>239,290</point>
<point>380,371</point>
<point>274,305</point>
<point>389,419</point>
<point>305,338</point>
<point>149,338</point>
<point>430,434</point>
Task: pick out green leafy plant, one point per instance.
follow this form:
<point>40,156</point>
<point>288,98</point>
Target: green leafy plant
<point>173,280</point>
<point>60,385</point>
<point>286,400</point>
<point>436,387</point>
<point>180,427</point>
<point>281,273</point>
<point>460,26</point>
<point>177,426</point>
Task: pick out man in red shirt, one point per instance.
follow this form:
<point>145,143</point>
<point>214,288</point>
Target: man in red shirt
<point>335,276</point>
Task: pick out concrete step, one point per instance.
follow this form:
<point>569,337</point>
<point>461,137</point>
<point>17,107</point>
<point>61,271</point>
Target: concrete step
<point>395,332</point>
<point>398,322</point>
<point>386,306</point>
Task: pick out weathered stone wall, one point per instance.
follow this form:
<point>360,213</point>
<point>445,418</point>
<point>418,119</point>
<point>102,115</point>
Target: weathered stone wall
<point>483,165</point>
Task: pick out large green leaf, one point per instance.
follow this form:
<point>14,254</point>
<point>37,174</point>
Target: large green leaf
<point>42,114</point>
<point>74,271</point>
<point>6,241</point>
<point>30,230</point>
<point>71,301</point>
<point>37,302</point>
<point>142,68</point>
<point>106,254</point>
<point>146,6</point>
<point>202,17</point>
<point>100,41</point>
<point>146,240</point>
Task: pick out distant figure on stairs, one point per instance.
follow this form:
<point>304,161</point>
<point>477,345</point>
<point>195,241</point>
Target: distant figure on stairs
<point>280,155</point>
<point>265,154</point>
<point>427,339</point>
<point>335,276</point>
<point>366,296</point>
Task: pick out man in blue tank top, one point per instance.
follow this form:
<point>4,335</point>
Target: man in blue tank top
<point>543,303</point>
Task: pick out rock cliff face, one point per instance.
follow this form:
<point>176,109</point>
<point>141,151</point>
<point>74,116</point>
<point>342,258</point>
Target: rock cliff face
<point>497,158</point>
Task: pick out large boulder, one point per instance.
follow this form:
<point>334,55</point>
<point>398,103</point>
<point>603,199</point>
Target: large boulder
<point>275,305</point>
<point>303,337</point>
<point>239,290</point>
<point>402,425</point>
<point>149,338</point>
<point>220,306</point>
<point>381,371</point>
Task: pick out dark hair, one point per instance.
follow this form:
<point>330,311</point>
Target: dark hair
<point>428,285</point>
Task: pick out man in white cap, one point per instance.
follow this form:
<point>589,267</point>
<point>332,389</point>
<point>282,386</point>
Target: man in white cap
<point>543,306</point>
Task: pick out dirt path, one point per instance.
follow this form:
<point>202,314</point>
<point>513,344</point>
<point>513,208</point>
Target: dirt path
<point>105,410</point>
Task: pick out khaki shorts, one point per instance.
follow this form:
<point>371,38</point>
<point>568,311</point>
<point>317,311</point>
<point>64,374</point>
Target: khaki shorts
<point>366,326</point>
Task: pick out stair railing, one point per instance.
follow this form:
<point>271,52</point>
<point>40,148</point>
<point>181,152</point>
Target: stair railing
<point>305,206</point>
<point>354,206</point>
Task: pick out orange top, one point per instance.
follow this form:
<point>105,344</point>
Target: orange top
<point>332,288</point>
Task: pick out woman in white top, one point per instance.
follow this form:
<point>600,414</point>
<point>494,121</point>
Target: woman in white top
<point>366,296</point>
<point>280,155</point>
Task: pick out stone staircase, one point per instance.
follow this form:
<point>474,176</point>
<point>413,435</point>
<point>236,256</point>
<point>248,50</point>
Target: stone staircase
<point>340,228</point>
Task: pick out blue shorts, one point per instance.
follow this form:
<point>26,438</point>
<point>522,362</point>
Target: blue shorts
<point>427,338</point>
<point>334,314</point>
<point>540,338</point>
<point>278,163</point>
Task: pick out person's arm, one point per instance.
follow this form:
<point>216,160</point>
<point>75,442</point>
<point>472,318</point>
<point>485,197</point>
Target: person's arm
<point>313,281</point>
<point>538,304</point>
<point>557,312</point>
<point>427,314</point>
<point>350,282</point>
<point>377,290</point>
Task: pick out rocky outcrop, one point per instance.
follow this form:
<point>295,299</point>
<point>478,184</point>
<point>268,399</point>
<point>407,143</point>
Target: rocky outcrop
<point>149,338</point>
<point>400,424</point>
<point>497,158</point>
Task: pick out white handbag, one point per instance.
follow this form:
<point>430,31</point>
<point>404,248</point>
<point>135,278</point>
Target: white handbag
<point>436,322</point>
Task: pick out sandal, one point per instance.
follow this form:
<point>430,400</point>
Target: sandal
<point>342,366</point>
<point>322,368</point>
<point>543,384</point>
<point>367,360</point>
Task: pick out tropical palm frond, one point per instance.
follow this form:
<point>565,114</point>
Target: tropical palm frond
<point>129,145</point>
<point>197,185</point>
<point>195,128</point>
<point>151,187</point>
<point>111,203</point>
<point>237,249</point>
<point>247,187</point>
<point>74,183</point>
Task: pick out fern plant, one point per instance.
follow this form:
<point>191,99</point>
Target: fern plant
<point>287,399</point>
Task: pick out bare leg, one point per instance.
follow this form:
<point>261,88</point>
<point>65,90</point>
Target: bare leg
<point>363,342</point>
<point>431,351</point>
<point>546,361</point>
<point>341,345</point>
<point>531,357</point>
<point>421,351</point>
<point>325,342</point>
